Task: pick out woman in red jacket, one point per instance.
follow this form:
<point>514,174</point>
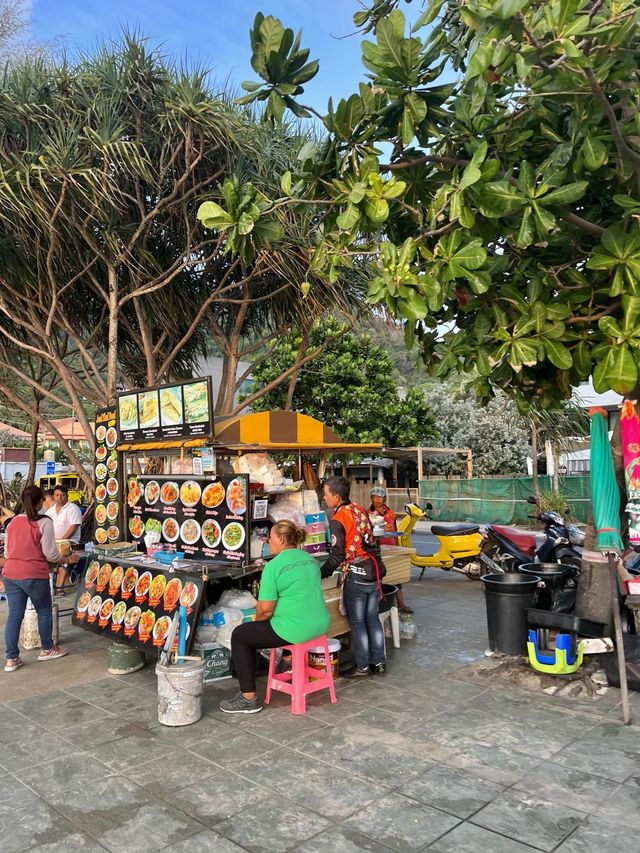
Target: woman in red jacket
<point>29,547</point>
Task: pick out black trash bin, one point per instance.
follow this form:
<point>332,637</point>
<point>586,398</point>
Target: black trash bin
<point>507,597</point>
<point>549,596</point>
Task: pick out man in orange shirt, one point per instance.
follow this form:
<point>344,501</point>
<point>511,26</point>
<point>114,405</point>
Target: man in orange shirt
<point>353,550</point>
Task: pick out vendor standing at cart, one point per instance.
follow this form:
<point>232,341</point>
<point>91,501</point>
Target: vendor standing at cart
<point>379,507</point>
<point>351,543</point>
<point>67,519</point>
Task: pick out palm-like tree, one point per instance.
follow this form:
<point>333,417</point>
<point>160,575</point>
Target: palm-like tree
<point>106,276</point>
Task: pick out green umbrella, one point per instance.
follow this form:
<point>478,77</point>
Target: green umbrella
<point>605,501</point>
<point>605,496</point>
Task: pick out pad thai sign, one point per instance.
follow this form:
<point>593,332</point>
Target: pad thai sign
<point>179,410</point>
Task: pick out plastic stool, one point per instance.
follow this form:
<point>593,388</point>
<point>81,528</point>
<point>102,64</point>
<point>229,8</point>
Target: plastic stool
<point>297,683</point>
<point>391,613</point>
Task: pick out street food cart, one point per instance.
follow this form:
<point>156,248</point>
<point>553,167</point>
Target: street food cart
<point>165,470</point>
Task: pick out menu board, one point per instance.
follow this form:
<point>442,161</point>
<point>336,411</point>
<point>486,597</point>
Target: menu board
<point>134,605</point>
<point>180,410</point>
<point>206,519</point>
<point>107,519</point>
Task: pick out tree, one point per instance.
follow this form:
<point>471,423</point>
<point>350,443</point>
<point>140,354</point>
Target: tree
<point>14,24</point>
<point>106,278</point>
<point>496,433</point>
<point>351,389</point>
<point>504,223</point>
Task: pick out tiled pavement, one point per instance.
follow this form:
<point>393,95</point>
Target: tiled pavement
<point>419,760</point>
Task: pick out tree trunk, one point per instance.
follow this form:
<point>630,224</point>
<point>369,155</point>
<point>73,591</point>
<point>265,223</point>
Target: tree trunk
<point>112,356</point>
<point>33,447</point>
<point>556,468</point>
<point>534,459</point>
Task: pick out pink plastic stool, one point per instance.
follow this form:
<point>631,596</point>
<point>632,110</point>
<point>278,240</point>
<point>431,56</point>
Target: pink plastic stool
<point>297,682</point>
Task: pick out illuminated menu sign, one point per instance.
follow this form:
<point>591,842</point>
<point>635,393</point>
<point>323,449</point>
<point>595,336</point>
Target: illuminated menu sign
<point>180,410</point>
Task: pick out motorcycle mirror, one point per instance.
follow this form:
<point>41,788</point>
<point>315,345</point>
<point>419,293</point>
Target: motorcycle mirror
<point>531,500</point>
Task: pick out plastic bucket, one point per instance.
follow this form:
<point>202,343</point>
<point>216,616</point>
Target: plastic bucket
<point>507,597</point>
<point>316,656</point>
<point>180,690</point>
<point>553,576</point>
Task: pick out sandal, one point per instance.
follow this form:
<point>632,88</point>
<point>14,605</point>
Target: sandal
<point>406,610</point>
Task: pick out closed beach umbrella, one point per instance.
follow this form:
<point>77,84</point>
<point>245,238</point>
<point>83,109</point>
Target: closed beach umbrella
<point>605,497</point>
<point>605,502</point>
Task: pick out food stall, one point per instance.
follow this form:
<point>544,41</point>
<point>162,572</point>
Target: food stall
<point>179,498</point>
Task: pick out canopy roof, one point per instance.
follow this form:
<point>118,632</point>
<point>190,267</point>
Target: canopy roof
<point>281,430</point>
<point>278,430</point>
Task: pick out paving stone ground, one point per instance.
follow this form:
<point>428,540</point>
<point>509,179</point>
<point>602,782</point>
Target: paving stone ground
<point>419,760</point>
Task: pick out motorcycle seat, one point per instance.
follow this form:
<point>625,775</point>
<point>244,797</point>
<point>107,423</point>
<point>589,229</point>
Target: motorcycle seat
<point>525,540</point>
<point>454,529</point>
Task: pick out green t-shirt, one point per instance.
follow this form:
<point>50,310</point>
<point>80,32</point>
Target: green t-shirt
<point>292,579</point>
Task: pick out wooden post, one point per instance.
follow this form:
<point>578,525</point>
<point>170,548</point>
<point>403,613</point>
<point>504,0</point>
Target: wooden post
<point>469,464</point>
<point>371,474</point>
<point>395,473</point>
<point>419,465</point>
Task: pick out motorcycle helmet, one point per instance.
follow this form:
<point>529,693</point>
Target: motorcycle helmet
<point>379,491</point>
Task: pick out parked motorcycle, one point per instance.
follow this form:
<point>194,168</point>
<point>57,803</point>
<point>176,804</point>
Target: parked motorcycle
<point>457,549</point>
<point>505,549</point>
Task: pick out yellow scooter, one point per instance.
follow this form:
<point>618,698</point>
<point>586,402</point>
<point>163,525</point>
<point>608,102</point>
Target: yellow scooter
<point>458,544</point>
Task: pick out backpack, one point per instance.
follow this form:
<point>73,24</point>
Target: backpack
<point>366,566</point>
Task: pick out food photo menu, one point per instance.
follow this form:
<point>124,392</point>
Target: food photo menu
<point>207,519</point>
<point>108,499</point>
<point>133,605</point>
<point>183,410</point>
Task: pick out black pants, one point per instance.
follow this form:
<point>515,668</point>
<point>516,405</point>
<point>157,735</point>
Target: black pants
<point>245,639</point>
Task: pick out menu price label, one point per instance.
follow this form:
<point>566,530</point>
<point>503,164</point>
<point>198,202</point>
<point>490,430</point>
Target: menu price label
<point>180,410</point>
<point>207,519</point>
<point>107,519</point>
<point>135,605</point>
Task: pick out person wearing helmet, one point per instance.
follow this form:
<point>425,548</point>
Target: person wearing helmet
<point>379,507</point>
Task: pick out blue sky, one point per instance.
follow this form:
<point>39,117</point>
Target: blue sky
<point>214,32</point>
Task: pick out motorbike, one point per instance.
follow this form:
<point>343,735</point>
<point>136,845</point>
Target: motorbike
<point>457,549</point>
<point>505,549</point>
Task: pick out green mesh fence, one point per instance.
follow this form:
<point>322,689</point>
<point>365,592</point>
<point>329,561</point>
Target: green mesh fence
<point>498,501</point>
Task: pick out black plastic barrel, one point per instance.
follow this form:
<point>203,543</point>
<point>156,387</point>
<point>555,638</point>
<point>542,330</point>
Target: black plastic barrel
<point>553,575</point>
<point>507,597</point>
<point>388,597</point>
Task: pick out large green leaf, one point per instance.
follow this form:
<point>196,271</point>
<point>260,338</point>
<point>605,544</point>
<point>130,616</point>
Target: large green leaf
<point>523,352</point>
<point>480,60</point>
<point>617,371</point>
<point>557,353</point>
<point>498,199</point>
<point>565,195</point>
<point>349,217</point>
<point>594,153</point>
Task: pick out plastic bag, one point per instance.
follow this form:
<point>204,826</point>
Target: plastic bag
<point>207,634</point>
<point>408,628</point>
<point>238,599</point>
<point>224,635</point>
<point>223,616</point>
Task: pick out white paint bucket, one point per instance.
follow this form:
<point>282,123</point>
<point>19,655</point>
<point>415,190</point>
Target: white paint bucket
<point>180,693</point>
<point>316,656</point>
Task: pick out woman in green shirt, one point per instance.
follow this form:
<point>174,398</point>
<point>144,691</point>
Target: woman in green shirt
<point>291,609</point>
